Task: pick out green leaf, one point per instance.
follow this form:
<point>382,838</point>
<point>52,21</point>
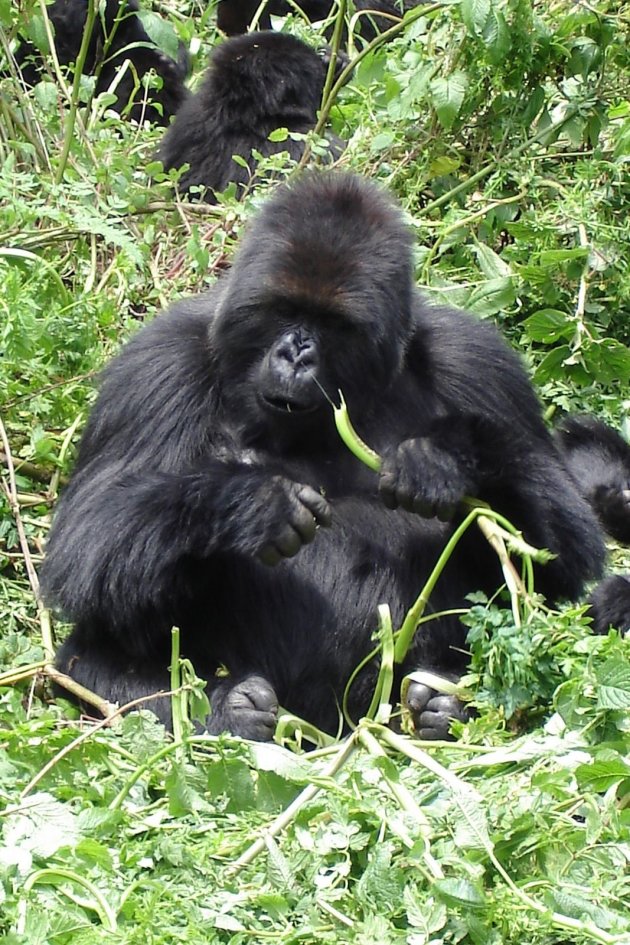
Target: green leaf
<point>382,141</point>
<point>491,297</point>
<point>496,36</point>
<point>550,368</point>
<point>460,892</point>
<point>534,105</point>
<point>608,361</point>
<point>600,775</point>
<point>447,95</point>
<point>161,32</point>
<point>549,324</point>
<point>613,685</point>
<point>279,134</point>
<point>475,14</point>
<point>490,263</point>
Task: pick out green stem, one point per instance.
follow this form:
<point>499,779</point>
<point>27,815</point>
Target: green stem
<point>382,694</point>
<point>346,749</point>
<point>104,910</point>
<point>74,96</point>
<point>178,695</point>
<point>505,159</point>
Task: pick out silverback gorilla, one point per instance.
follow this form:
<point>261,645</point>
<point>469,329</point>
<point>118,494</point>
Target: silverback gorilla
<point>118,35</point>
<point>212,491</point>
<point>254,85</point>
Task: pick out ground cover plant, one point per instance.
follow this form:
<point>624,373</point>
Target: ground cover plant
<point>504,129</point>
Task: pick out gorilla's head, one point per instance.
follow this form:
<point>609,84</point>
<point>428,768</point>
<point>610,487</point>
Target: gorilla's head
<point>319,299</point>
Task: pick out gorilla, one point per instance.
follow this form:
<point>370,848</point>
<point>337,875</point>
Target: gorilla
<point>235,16</point>
<point>118,35</point>
<point>599,460</point>
<point>610,604</point>
<point>254,85</point>
<point>598,457</point>
<point>213,492</point>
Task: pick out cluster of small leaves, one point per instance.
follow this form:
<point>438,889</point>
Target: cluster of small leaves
<point>120,838</point>
<point>531,105</point>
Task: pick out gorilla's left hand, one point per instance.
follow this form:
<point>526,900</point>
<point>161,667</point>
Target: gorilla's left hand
<point>421,477</point>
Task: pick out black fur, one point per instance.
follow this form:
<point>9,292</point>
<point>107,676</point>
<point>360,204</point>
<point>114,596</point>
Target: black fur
<point>610,604</point>
<point>235,16</point>
<point>599,459</point>
<point>211,453</point>
<point>254,85</point>
<point>120,22</point>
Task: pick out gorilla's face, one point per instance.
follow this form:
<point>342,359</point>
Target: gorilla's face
<point>285,361</point>
<point>311,307</point>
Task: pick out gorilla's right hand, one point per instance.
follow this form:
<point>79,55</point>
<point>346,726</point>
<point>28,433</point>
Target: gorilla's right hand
<point>288,518</point>
<point>268,517</point>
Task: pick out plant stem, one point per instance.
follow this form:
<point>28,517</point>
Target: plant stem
<point>74,96</point>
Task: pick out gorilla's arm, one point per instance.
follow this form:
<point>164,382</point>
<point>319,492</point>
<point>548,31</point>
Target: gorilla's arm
<point>151,488</point>
<point>488,440</point>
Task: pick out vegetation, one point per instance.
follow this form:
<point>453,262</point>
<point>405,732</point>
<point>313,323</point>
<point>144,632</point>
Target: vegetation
<point>504,128</point>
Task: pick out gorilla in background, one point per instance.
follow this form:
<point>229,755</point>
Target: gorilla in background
<point>599,460</point>
<point>118,35</point>
<point>254,85</point>
<point>213,492</point>
<point>235,16</point>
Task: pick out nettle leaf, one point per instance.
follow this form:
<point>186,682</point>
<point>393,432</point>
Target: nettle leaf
<point>608,361</point>
<point>496,36</point>
<point>600,775</point>
<point>470,822</point>
<point>42,825</point>
<point>534,105</point>
<point>549,324</point>
<point>613,685</point>
<point>447,96</point>
<point>550,368</point>
<point>161,32</point>
<point>475,14</point>
<point>491,297</point>
<point>490,263</point>
<point>381,885</point>
<point>460,892</point>
<point>383,141</point>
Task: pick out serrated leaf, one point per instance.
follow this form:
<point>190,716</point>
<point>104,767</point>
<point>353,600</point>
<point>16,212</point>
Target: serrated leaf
<point>491,297</point>
<point>613,685</point>
<point>460,892</point>
<point>382,141</point>
<point>470,822</point>
<point>41,825</point>
<point>496,36</point>
<point>548,325</point>
<point>161,32</point>
<point>475,14</point>
<point>490,263</point>
<point>447,96</point>
<point>534,105</point>
<point>600,775</point>
<point>608,361</point>
<point>550,367</point>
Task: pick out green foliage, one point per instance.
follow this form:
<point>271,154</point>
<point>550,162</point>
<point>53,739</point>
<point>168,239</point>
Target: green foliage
<point>504,128</point>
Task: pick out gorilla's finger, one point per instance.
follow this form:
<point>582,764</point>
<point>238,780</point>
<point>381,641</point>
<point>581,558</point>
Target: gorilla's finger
<point>316,504</point>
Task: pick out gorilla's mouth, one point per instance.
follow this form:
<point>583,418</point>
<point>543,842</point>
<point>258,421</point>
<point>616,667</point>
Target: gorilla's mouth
<point>285,405</point>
